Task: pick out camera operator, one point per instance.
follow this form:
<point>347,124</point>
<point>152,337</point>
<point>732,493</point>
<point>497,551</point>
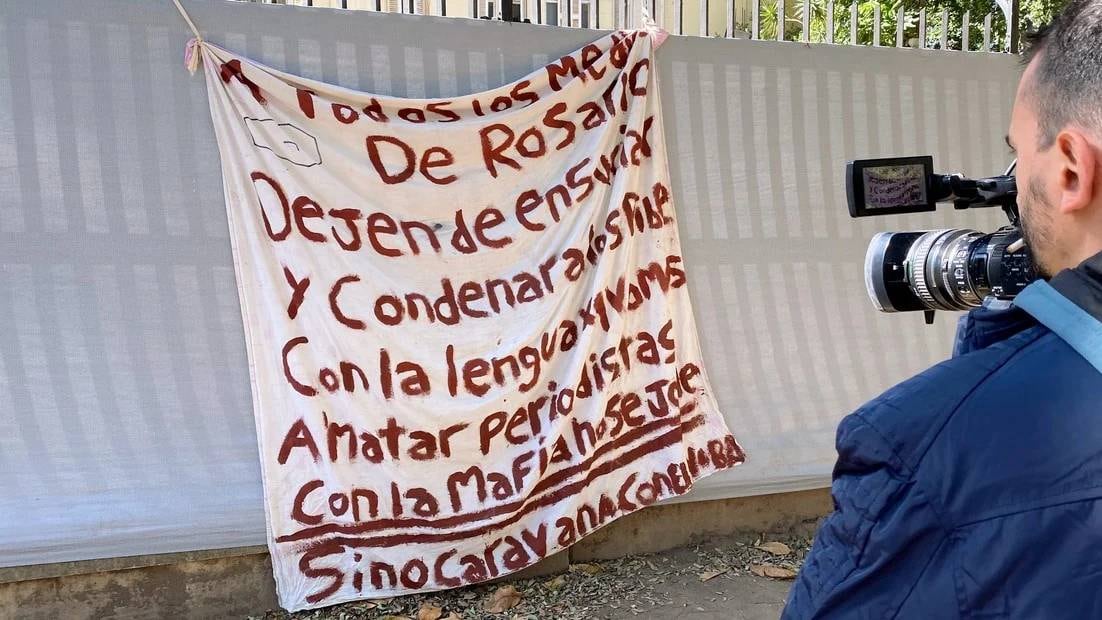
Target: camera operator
<point>975,488</point>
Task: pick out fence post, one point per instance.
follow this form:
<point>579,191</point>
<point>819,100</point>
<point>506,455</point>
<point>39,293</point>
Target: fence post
<point>755,21</point>
<point>780,20</point>
<point>964,28</point>
<point>922,29</point>
<point>853,23</point>
<point>703,22</point>
<point>944,29</point>
<point>987,33</point>
<point>830,22</point>
<point>805,27</point>
<point>899,27</point>
<point>876,25</point>
<point>1012,27</point>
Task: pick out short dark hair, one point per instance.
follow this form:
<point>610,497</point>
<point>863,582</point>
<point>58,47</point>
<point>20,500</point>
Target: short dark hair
<point>1067,84</point>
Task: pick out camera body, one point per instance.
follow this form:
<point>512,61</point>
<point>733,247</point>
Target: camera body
<point>949,269</point>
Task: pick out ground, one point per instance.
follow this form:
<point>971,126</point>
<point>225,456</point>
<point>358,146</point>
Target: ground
<point>740,578</point>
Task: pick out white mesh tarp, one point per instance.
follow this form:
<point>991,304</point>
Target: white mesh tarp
<point>125,419</point>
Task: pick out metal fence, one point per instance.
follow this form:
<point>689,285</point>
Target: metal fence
<point>802,21</point>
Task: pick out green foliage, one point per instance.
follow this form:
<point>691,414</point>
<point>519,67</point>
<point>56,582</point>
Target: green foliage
<point>1034,14</point>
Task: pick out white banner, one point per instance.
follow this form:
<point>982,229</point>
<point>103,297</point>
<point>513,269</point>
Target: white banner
<point>470,338</point>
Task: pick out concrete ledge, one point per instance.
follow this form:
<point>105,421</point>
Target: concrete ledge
<point>214,588</point>
<point>84,567</point>
<point>666,526</point>
<point>238,582</point>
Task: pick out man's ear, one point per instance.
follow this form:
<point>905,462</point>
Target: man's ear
<point>1077,181</point>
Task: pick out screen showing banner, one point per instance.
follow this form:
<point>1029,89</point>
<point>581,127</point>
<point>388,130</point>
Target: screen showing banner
<point>470,337</point>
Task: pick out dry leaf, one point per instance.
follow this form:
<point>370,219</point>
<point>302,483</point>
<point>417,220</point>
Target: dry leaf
<point>774,572</point>
<point>556,583</point>
<point>589,569</point>
<point>712,574</point>
<point>452,616</point>
<point>429,612</point>
<point>505,598</point>
<point>776,548</point>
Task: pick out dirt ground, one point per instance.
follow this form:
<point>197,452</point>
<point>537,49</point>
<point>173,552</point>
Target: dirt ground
<point>744,578</point>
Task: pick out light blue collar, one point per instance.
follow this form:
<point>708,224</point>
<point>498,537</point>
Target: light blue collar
<point>1071,323</point>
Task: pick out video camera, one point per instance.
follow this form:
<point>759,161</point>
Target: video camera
<point>948,269</point>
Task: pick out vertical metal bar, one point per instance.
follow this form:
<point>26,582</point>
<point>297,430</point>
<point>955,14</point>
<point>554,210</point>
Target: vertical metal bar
<point>703,21</point>
<point>944,29</point>
<point>965,26</point>
<point>853,23</point>
<point>780,20</point>
<point>729,25</point>
<point>597,14</point>
<point>805,27</point>
<point>899,27</point>
<point>922,29</point>
<point>679,16</point>
<point>830,22</point>
<point>1012,27</point>
<point>755,21</point>
<point>987,24</point>
<point>876,25</point>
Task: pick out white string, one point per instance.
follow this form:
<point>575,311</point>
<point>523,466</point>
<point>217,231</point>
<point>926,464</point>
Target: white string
<point>187,18</point>
<point>192,57</point>
<point>659,33</point>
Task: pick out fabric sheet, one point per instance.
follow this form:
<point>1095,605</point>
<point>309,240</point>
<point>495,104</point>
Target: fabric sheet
<point>468,319</point>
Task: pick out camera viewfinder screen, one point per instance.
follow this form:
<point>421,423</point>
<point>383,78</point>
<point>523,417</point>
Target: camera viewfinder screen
<point>895,186</point>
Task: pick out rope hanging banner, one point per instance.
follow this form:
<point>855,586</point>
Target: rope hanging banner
<point>191,52</point>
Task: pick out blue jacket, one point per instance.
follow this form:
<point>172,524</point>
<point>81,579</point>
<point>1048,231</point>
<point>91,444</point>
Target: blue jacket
<point>973,490</point>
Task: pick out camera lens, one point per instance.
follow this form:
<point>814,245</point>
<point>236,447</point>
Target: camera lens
<point>938,269</point>
<point>951,269</point>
